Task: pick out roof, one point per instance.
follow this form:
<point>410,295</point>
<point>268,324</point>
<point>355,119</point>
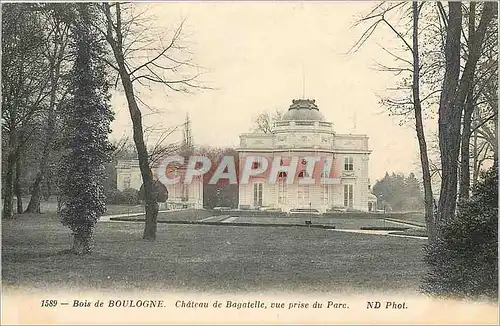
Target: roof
<point>303,109</point>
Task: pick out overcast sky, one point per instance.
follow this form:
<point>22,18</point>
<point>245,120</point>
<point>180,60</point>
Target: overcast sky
<point>256,54</point>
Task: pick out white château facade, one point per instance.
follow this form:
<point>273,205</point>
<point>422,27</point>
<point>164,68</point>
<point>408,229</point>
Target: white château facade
<point>303,132</point>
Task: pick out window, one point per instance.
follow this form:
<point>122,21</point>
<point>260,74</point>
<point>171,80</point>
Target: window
<point>348,195</point>
<point>126,182</point>
<point>257,194</point>
<point>326,194</point>
<point>282,190</point>
<point>303,174</point>
<point>257,163</point>
<point>349,164</point>
<point>282,175</point>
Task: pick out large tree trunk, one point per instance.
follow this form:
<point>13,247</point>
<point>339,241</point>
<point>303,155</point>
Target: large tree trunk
<point>8,201</point>
<point>36,191</point>
<point>17,184</point>
<point>475,158</point>
<point>495,144</point>
<point>151,205</point>
<point>452,101</point>
<point>82,241</point>
<point>450,115</point>
<point>464,185</point>
<point>34,204</point>
<point>424,159</point>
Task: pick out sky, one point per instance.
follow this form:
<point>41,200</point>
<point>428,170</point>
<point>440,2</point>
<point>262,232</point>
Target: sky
<point>258,56</point>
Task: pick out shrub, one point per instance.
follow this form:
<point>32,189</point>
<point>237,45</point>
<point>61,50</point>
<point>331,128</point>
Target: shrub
<point>130,196</point>
<point>127,196</point>
<point>463,261</point>
<point>113,196</point>
<point>161,192</point>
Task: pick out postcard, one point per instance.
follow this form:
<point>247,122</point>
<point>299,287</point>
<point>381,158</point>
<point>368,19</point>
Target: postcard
<point>281,162</point>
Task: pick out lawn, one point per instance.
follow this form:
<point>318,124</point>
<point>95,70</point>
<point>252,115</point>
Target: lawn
<point>184,215</point>
<point>410,217</point>
<point>50,206</point>
<point>209,258</point>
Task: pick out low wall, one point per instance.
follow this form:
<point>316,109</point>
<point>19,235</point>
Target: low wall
<point>362,215</point>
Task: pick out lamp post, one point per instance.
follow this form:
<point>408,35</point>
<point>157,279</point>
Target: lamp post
<point>310,214</point>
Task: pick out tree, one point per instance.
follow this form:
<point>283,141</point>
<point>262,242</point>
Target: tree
<point>464,261</point>
<point>437,68</point>
<point>24,88</point>
<point>161,192</point>
<point>481,107</point>
<point>87,127</point>
<point>265,120</point>
<point>55,52</point>
<point>125,40</point>
<point>412,70</point>
<point>161,147</point>
<point>456,85</point>
<point>400,192</point>
<point>453,98</point>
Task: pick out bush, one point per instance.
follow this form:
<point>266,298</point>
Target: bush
<point>126,197</point>
<point>130,196</point>
<point>463,261</point>
<point>160,189</point>
<point>113,196</point>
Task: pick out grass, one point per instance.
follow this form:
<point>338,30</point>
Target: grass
<point>185,215</point>
<point>50,206</point>
<point>417,217</point>
<point>208,258</point>
<point>123,209</point>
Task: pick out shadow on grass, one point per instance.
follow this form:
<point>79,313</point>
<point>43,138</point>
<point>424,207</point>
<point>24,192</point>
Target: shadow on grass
<point>23,257</point>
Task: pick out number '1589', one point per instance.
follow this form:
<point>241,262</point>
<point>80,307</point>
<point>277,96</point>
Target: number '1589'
<point>49,303</point>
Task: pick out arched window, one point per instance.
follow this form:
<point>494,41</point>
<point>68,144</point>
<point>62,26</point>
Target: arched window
<point>257,163</point>
<point>303,174</point>
<point>282,175</point>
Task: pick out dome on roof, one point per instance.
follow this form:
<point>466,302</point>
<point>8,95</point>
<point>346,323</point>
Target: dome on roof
<point>303,110</point>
